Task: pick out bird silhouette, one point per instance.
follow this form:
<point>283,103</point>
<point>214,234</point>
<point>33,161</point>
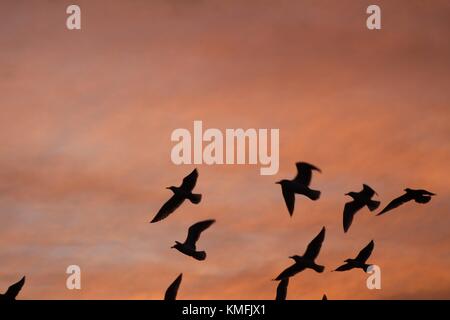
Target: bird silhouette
<point>324,297</point>
<point>282,289</point>
<point>180,194</point>
<point>188,247</point>
<point>360,260</point>
<point>307,261</point>
<point>360,200</point>
<point>419,196</point>
<point>299,185</point>
<point>172,290</point>
<point>13,291</point>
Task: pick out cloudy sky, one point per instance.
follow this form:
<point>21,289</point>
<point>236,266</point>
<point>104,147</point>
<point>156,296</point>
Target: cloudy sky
<point>86,119</point>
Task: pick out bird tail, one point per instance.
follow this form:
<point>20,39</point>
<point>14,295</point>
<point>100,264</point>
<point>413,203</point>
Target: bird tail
<point>318,268</point>
<point>199,255</point>
<point>313,194</point>
<point>195,198</point>
<point>366,267</point>
<point>373,205</point>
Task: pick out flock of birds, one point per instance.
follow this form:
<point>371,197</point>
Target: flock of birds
<point>299,185</point>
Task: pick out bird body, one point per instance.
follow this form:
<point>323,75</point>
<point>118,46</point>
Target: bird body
<point>185,194</point>
<point>299,185</point>
<point>180,194</point>
<point>419,196</point>
<point>189,251</point>
<point>360,261</point>
<point>307,261</point>
<point>188,247</point>
<point>360,200</point>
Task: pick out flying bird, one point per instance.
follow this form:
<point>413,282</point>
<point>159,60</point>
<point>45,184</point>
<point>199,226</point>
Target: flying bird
<point>172,290</point>
<point>299,185</point>
<point>282,290</point>
<point>180,194</point>
<point>360,260</point>
<point>360,200</point>
<point>13,291</point>
<point>419,196</point>
<point>307,261</point>
<point>188,247</point>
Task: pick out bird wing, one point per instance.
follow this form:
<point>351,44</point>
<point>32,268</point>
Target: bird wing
<point>282,289</point>
<point>425,192</point>
<point>365,253</point>
<point>189,181</point>
<point>304,173</point>
<point>170,206</point>
<point>396,203</point>
<point>172,290</point>
<point>289,199</point>
<point>313,249</point>
<point>350,209</point>
<point>195,230</point>
<point>14,289</point>
<point>290,271</point>
<point>344,267</point>
<point>368,191</point>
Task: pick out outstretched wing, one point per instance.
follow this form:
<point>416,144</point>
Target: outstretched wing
<point>365,253</point>
<point>289,199</point>
<point>189,181</point>
<point>282,289</point>
<point>313,249</point>
<point>397,202</point>
<point>290,271</point>
<point>172,290</point>
<point>195,230</point>
<point>14,290</point>
<point>350,209</point>
<point>344,267</point>
<point>170,206</point>
<point>304,173</point>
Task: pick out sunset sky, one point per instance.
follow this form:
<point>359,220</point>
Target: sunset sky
<point>85,124</point>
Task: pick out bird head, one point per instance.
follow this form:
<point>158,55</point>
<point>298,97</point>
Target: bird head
<point>351,194</point>
<point>407,190</point>
<point>281,182</point>
<point>176,245</point>
<point>348,260</point>
<point>296,258</point>
<point>171,188</point>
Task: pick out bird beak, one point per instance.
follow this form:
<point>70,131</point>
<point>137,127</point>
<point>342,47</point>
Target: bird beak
<point>347,194</point>
<point>278,182</point>
<point>167,187</point>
